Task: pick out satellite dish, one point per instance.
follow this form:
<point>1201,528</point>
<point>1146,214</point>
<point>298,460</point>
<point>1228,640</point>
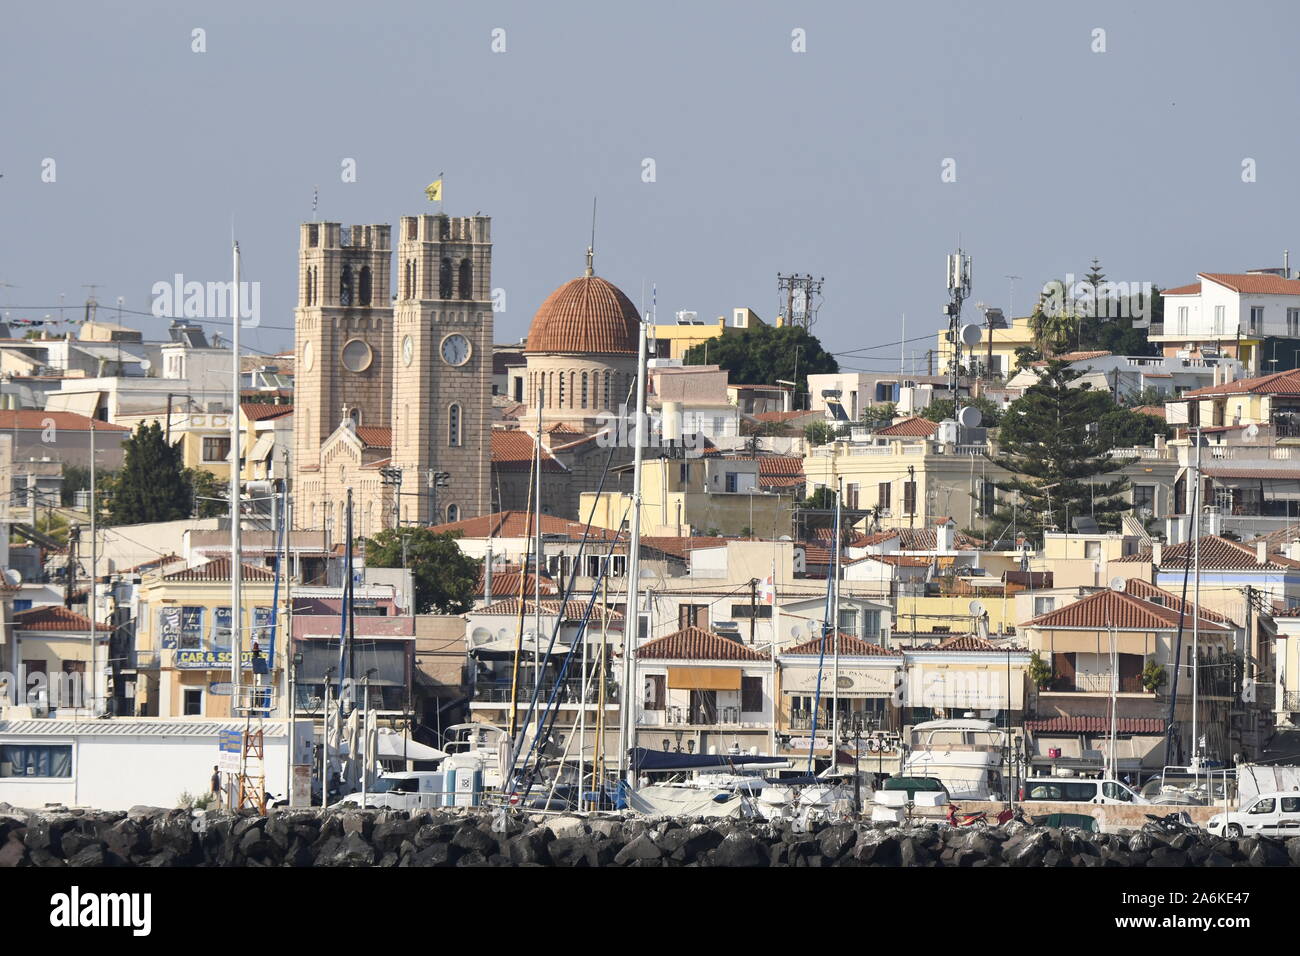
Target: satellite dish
<point>145,364</point>
<point>1250,432</point>
<point>796,631</point>
<point>1118,584</point>
<point>785,537</point>
<point>13,577</point>
<point>480,635</point>
<point>971,335</point>
<point>976,608</point>
<point>969,417</point>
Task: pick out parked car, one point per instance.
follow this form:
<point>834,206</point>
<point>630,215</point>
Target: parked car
<point>1078,790</point>
<point>1268,814</point>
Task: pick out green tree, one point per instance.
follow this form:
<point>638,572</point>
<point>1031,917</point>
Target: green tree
<point>941,408</point>
<point>819,433</point>
<point>1040,671</point>
<point>445,578</point>
<point>823,497</point>
<point>879,416</point>
<point>151,485</point>
<point>1051,443</point>
<point>75,478</point>
<point>763,354</point>
<point>204,488</point>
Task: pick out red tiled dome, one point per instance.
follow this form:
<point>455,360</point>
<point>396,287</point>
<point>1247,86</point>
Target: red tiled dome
<point>585,315</point>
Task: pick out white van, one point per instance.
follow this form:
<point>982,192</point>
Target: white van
<point>1270,814</point>
<point>1077,790</point>
<point>407,790</point>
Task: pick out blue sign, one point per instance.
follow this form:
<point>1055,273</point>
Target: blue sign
<point>221,688</point>
<point>231,741</point>
<point>210,660</point>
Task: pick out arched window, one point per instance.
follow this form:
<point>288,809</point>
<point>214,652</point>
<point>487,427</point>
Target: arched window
<point>453,426</point>
<point>354,413</point>
<point>364,289</point>
<point>453,513</point>
<point>306,292</point>
<point>444,279</point>
<point>584,389</point>
<point>466,279</point>
<point>561,395</point>
<point>345,286</point>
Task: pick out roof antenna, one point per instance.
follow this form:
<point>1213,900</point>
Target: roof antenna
<point>591,249</point>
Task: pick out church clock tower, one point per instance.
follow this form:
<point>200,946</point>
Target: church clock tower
<point>442,380</point>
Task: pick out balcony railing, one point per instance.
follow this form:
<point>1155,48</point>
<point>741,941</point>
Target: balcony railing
<point>569,692</point>
<point>677,716</point>
<point>1291,702</point>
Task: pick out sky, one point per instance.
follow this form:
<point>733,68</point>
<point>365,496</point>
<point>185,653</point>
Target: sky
<point>784,137</point>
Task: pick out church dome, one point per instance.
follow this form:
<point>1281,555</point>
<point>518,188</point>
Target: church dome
<point>586,315</point>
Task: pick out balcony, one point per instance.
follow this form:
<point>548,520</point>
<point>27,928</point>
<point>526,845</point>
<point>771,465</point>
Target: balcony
<point>565,692</point>
<point>676,717</point>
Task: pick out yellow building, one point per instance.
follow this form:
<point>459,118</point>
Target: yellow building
<point>184,628</point>
<point>1000,360</point>
<point>1267,400</point>
<point>203,437</point>
<point>672,341</point>
<point>695,495</point>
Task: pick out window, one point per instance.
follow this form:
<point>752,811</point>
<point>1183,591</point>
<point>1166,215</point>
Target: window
<point>1263,806</point>
<point>453,513</point>
<point>1043,604</point>
<point>584,389</point>
<point>1115,792</point>
<point>1144,500</point>
<point>1291,804</point>
<point>758,611</point>
<point>882,495</point>
<point>345,286</point>
<point>216,448</point>
<point>988,499</point>
<point>851,496</point>
<point>194,703</point>
<point>693,615</point>
<point>654,692</point>
<point>731,481</point>
<point>1218,320</point>
<point>870,624</point>
<point>36,760</point>
<point>751,695</point>
<point>1092,550</point>
<point>704,707</point>
<point>684,473</point>
<point>444,279</point>
<point>719,425</point>
<point>848,621</point>
<point>1256,317</point>
<point>1182,320</point>
<point>364,290</point>
<point>466,279</point>
<point>192,628</point>
<point>1293,323</point>
<point>617,565</point>
<point>909,497</point>
<point>1080,792</point>
<point>453,426</point>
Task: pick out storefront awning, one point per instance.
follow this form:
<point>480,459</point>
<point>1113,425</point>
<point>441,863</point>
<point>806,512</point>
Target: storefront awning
<point>704,678</point>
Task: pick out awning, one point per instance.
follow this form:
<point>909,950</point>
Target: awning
<point>82,403</point>
<point>704,678</point>
<point>395,746</point>
<point>263,448</point>
<point>644,759</point>
<point>503,648</point>
<point>1098,642</point>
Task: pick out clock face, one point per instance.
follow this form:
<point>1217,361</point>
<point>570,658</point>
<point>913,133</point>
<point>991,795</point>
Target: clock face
<point>408,350</point>
<point>357,356</point>
<point>308,357</point>
<point>455,349</point>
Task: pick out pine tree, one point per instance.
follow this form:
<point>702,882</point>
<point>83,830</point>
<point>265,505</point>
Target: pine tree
<point>151,485</point>
<point>1051,444</point>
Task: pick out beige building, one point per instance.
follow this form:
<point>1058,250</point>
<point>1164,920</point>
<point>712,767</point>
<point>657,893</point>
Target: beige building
<point>402,387</point>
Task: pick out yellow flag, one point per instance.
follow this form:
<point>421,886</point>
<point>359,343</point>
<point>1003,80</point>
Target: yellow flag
<point>434,191</point>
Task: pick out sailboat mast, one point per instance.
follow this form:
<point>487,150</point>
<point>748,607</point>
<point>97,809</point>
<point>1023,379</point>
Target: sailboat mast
<point>1196,614</point>
<point>236,546</point>
<point>632,619</point>
<point>835,631</point>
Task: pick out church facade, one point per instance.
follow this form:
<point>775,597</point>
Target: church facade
<point>393,380</point>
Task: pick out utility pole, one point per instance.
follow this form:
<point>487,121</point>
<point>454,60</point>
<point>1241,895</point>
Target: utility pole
<point>753,607</point>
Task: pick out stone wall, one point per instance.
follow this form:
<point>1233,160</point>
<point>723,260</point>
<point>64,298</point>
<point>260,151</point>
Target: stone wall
<point>149,836</point>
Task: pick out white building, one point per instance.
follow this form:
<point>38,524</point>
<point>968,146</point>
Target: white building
<point>1231,314</point>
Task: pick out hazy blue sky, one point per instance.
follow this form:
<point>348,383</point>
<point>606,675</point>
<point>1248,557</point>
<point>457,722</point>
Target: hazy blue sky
<point>767,160</point>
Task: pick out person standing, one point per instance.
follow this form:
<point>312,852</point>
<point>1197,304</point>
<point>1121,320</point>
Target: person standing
<point>216,786</point>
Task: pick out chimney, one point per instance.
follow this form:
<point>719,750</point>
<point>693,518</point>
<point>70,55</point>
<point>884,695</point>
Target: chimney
<point>944,534</point>
<point>1261,551</point>
<point>1157,552</point>
<point>1293,550</point>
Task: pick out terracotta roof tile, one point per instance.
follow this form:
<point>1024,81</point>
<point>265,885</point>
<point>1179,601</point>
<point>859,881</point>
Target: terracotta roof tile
<point>1121,610</point>
<point>513,450</point>
<point>262,411</point>
<point>519,524</point>
<point>574,610</point>
<point>54,617</point>
<point>1095,725</point>
<point>218,569</point>
<point>587,315</point>
<point>69,421</point>
<point>848,644</point>
<point>1253,284</point>
<point>697,644</point>
<point>915,427</point>
<point>1275,383</point>
<point>1192,289</point>
<point>375,436</point>
<point>1217,554</point>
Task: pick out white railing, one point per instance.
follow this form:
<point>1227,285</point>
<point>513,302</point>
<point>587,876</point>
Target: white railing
<point>1141,451</point>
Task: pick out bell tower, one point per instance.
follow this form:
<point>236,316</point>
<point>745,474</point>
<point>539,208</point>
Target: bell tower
<point>343,334</point>
<point>442,384</point>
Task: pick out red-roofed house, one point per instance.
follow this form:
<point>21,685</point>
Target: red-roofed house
<point>1141,639</point>
<point>702,690</point>
<point>1231,314</point>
